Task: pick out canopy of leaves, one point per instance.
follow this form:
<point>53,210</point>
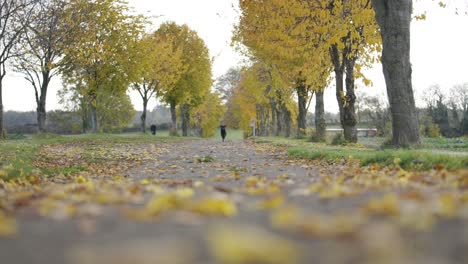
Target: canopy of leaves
<point>195,80</point>
<point>103,34</point>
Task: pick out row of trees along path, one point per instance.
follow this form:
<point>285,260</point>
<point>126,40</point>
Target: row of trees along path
<point>51,37</point>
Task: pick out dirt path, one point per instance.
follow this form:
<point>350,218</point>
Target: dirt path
<point>235,202</point>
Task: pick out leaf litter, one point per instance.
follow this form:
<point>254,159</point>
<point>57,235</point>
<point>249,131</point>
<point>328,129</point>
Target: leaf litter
<point>301,198</point>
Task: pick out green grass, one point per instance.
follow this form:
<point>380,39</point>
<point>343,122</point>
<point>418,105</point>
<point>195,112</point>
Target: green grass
<point>451,153</point>
<point>17,156</point>
<point>232,135</point>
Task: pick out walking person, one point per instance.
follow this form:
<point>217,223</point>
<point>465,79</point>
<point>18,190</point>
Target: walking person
<point>153,129</point>
<point>223,131</point>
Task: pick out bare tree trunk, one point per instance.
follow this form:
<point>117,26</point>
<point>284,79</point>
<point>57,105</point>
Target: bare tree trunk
<point>41,103</point>
<point>394,19</point>
<point>2,129</point>
<point>41,117</point>
<point>279,121</point>
<point>143,115</point>
<point>274,118</point>
<point>320,125</point>
<point>301,90</point>
<point>349,114</point>
<point>287,121</point>
<point>173,131</point>
<point>94,119</point>
<point>262,118</point>
<point>84,114</point>
<point>184,111</point>
<point>339,74</point>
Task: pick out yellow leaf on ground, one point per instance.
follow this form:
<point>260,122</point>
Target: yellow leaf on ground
<point>215,206</point>
<point>387,205</point>
<point>7,226</point>
<point>271,203</point>
<point>246,244</point>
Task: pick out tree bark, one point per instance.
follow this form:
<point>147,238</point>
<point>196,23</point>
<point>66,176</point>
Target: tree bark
<point>41,117</point>
<point>301,90</point>
<point>274,118</point>
<point>84,115</point>
<point>184,111</point>
<point>349,113</point>
<point>279,121</point>
<point>262,118</point>
<point>143,115</point>
<point>173,131</point>
<point>94,119</point>
<point>287,121</point>
<point>394,19</point>
<point>41,101</point>
<point>2,129</point>
<point>338,68</point>
<point>320,125</point>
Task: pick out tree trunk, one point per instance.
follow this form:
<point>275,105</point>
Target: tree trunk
<point>338,69</point>
<point>173,131</point>
<point>2,76</point>
<point>184,111</point>
<point>274,118</point>
<point>261,117</point>
<point>279,121</point>
<point>94,119</point>
<point>320,125</point>
<point>301,90</point>
<point>349,114</point>
<point>143,115</point>
<point>2,129</point>
<point>41,102</point>
<point>84,115</point>
<point>41,117</point>
<point>287,121</point>
<point>394,19</point>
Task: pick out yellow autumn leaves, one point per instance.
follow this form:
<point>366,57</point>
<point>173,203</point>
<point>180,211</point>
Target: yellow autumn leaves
<point>242,212</point>
<point>181,200</point>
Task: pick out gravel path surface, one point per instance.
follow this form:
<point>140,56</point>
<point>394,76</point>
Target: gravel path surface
<point>226,170</point>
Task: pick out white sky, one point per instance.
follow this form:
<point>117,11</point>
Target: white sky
<point>439,49</point>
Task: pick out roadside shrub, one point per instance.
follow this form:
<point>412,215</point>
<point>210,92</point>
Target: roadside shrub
<point>315,138</point>
<point>428,128</point>
<point>339,139</point>
<point>15,136</point>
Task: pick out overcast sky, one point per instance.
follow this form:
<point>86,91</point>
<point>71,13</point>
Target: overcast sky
<point>439,49</point>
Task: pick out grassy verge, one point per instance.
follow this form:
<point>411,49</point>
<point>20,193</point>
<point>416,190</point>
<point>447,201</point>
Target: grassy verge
<point>449,153</point>
<point>17,156</point>
<point>232,135</point>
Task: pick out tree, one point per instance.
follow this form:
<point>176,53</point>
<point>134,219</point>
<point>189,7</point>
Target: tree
<point>195,82</point>
<point>103,34</point>
<point>159,66</point>
<point>307,36</point>
<point>354,40</point>
<point>274,34</point>
<point>226,83</point>
<point>260,98</point>
<point>14,16</point>
<point>458,100</point>
<point>207,115</point>
<point>394,19</point>
<point>115,108</point>
<point>41,51</point>
<point>376,112</point>
<point>115,111</point>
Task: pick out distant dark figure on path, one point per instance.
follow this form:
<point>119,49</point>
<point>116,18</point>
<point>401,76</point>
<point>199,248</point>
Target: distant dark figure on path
<point>153,129</point>
<point>223,132</point>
